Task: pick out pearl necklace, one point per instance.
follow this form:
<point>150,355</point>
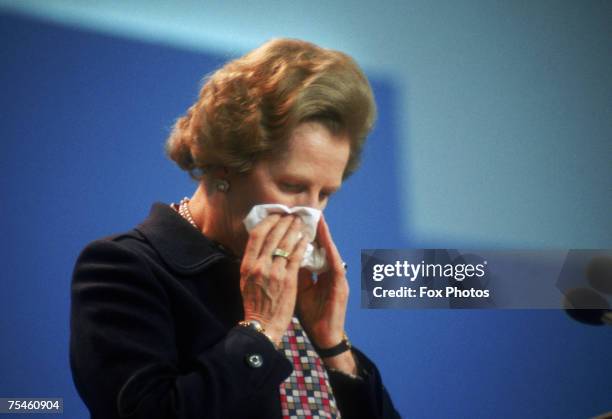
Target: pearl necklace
<point>183,210</point>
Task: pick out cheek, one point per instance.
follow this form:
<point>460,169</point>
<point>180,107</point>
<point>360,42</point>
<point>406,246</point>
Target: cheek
<point>259,194</point>
<point>270,194</point>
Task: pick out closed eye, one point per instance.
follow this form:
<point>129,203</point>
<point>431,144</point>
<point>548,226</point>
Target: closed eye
<point>292,187</point>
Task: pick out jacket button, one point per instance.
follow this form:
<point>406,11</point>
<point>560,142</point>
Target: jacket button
<point>254,360</point>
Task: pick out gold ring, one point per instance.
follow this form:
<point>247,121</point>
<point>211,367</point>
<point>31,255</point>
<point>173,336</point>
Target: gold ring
<point>280,252</point>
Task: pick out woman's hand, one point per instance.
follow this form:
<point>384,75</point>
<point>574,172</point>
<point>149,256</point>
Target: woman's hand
<point>322,304</point>
<point>269,283</point>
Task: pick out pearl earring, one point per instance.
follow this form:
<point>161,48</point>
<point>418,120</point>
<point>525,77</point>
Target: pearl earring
<point>222,185</point>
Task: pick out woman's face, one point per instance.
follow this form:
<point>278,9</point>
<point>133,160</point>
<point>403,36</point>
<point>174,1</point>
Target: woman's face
<point>307,174</point>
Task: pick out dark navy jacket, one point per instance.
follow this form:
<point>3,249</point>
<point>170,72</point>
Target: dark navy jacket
<point>154,335</point>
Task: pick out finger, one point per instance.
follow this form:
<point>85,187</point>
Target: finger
<point>326,241</point>
<point>290,240</point>
<point>275,235</point>
<point>257,237</point>
<point>305,280</point>
<point>295,260</point>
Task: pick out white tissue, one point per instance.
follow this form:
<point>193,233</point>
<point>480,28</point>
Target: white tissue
<point>315,259</point>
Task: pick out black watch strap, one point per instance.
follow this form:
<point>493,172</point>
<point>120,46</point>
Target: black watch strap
<point>343,346</point>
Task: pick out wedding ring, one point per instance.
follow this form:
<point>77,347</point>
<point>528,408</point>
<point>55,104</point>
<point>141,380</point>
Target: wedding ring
<point>280,252</point>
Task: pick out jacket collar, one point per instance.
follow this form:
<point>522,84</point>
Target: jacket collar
<point>182,247</point>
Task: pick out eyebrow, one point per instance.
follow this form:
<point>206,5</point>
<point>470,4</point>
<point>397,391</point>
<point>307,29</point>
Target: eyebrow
<point>299,179</point>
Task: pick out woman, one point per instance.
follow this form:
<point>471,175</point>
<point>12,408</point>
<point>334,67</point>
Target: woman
<point>189,315</point>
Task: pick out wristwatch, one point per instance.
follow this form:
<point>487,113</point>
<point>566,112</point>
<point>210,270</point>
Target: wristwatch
<point>343,346</point>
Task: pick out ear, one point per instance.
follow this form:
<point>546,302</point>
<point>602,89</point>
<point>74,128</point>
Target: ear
<point>212,176</point>
<point>218,172</point>
<point>219,177</point>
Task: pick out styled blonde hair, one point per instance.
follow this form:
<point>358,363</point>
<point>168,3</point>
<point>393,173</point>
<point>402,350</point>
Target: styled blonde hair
<point>247,109</point>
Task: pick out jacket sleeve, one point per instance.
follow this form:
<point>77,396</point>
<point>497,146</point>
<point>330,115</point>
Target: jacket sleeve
<point>365,396</point>
<point>123,355</point>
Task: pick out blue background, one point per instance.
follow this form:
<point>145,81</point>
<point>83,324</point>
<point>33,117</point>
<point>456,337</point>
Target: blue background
<point>83,121</point>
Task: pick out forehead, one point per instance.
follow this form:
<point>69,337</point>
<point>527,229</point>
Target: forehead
<point>312,146</point>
